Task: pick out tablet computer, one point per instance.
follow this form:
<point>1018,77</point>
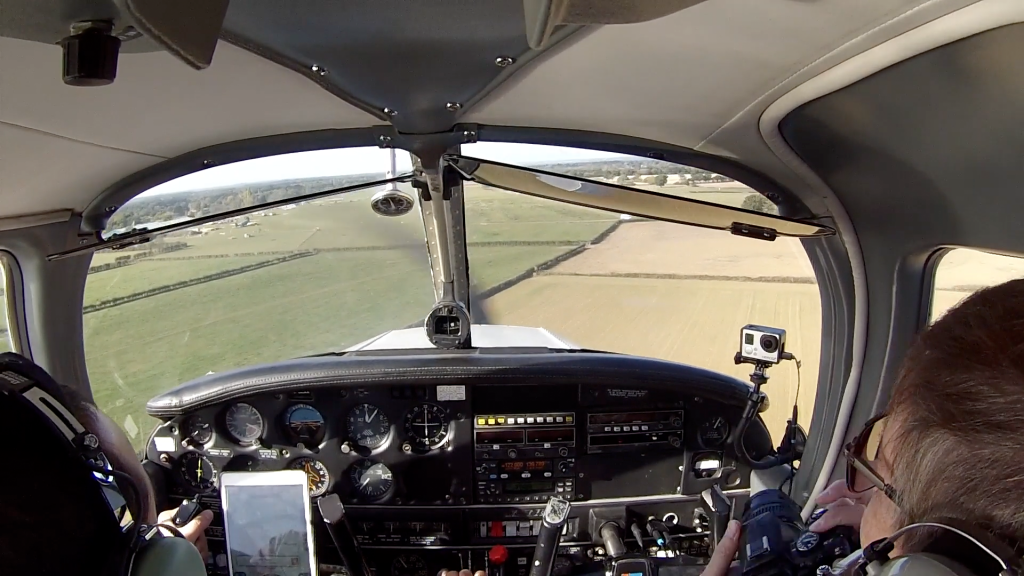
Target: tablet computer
<point>267,523</point>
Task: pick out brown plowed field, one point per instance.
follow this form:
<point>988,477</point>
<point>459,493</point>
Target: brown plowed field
<point>662,248</point>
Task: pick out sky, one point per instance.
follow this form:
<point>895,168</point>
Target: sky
<point>320,163</point>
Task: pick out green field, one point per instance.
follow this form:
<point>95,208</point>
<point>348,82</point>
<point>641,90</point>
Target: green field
<point>150,273</point>
<point>353,289</point>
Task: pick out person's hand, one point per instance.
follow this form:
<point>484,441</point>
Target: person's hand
<point>725,551</point>
<point>844,508</point>
<point>194,531</point>
<point>461,573</point>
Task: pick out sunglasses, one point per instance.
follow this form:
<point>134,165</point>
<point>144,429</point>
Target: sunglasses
<point>861,455</point>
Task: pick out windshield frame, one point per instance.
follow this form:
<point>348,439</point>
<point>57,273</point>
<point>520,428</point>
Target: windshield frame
<point>830,257</point>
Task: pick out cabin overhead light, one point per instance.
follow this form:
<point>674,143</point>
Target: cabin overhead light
<point>318,70</point>
<point>453,106</point>
<point>504,61</point>
<point>390,112</point>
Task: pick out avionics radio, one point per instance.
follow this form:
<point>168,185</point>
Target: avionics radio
<point>525,457</point>
<point>626,431</point>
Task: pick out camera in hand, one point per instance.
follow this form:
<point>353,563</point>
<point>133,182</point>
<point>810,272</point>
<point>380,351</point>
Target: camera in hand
<point>777,542</point>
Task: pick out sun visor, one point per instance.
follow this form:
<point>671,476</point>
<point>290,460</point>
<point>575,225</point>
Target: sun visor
<point>188,29</point>
<point>543,17</point>
<point>623,200</point>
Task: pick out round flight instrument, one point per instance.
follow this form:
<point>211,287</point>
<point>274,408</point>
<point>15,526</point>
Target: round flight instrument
<point>245,463</point>
<point>372,480</point>
<point>368,426</point>
<point>409,565</point>
<point>197,430</point>
<point>304,424</point>
<point>316,474</point>
<point>427,425</point>
<point>713,432</point>
<point>244,423</point>
<point>197,472</point>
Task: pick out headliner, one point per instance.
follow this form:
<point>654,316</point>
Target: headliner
<point>699,78</point>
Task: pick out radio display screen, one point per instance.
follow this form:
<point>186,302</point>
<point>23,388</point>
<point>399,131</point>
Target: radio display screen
<point>624,418</point>
<point>549,435</point>
<point>525,465</point>
<point>499,437</point>
<point>528,486</point>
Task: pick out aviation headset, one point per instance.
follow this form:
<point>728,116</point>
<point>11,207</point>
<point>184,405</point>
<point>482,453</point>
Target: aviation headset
<point>954,552</point>
<point>138,550</point>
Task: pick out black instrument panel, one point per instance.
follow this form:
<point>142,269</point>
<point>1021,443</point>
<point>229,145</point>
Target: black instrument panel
<point>363,443</point>
<point>446,457</point>
<point>515,443</point>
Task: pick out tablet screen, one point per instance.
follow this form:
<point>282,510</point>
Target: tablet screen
<point>267,532</point>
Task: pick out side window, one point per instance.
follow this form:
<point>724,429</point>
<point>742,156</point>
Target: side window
<point>6,337</point>
<point>962,272</point>
<point>612,282</point>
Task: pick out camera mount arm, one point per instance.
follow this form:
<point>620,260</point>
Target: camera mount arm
<point>755,399</point>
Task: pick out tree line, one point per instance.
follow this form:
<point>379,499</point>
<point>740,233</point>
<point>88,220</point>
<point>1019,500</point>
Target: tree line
<point>198,203</point>
<point>630,170</point>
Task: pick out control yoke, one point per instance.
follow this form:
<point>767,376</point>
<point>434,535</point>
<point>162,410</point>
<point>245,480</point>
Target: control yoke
<point>556,514</point>
<point>341,532</point>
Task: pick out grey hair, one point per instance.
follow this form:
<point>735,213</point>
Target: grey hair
<point>958,412</point>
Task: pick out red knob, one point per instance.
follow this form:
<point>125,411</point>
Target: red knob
<point>497,554</point>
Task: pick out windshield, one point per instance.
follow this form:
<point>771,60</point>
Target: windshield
<point>324,275</point>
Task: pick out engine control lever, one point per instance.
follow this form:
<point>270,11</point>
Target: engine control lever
<point>611,536</point>
<point>556,514</point>
<point>721,512</point>
<point>344,538</point>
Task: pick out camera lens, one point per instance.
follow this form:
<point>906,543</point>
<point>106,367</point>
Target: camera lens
<point>769,343</point>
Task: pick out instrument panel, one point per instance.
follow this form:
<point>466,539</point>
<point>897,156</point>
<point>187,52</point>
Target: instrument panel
<point>434,472</point>
<point>353,442</point>
<point>405,445</point>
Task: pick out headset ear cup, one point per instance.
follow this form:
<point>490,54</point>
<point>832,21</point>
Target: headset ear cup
<point>948,544</point>
<point>168,557</point>
<point>921,565</point>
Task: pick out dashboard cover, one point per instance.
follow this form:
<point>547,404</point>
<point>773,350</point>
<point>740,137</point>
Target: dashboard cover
<point>435,367</point>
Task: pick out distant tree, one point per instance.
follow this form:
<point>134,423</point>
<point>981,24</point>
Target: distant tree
<point>660,180</point>
<point>758,203</point>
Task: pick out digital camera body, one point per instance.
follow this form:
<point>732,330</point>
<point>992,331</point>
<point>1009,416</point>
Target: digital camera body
<point>762,344</point>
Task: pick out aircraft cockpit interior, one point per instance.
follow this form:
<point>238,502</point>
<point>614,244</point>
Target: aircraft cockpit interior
<point>520,287</point>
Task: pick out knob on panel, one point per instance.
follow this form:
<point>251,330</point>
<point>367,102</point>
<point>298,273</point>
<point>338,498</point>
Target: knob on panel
<point>498,554</point>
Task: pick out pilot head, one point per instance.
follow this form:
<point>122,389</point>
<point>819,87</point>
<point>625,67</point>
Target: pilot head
<point>54,517</point>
